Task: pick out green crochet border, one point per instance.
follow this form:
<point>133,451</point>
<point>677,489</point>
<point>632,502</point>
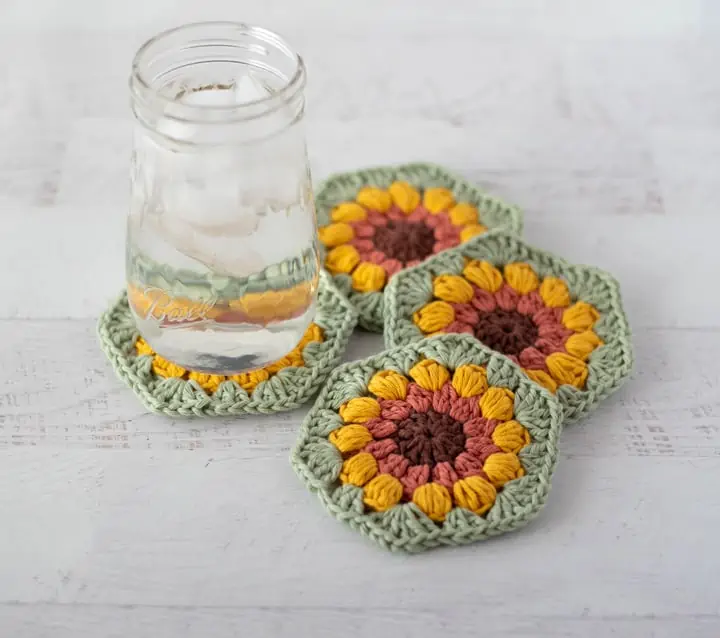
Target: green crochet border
<point>405,527</point>
<point>286,390</point>
<point>608,366</point>
<point>342,187</point>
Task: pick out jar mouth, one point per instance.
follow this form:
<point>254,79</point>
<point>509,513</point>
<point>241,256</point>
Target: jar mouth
<point>257,42</point>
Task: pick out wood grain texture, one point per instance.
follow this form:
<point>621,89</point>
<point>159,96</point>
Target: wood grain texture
<point>600,119</point>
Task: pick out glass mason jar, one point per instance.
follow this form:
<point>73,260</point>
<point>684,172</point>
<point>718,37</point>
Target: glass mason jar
<point>222,258</point>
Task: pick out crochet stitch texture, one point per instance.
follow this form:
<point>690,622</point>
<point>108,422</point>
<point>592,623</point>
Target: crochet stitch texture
<point>168,389</point>
<point>563,324</point>
<point>439,442</point>
<point>375,222</point>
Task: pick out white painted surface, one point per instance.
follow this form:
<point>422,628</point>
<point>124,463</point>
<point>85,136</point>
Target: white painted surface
<point>601,119</point>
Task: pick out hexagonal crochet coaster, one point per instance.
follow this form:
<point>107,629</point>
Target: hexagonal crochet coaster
<point>563,324</point>
<point>166,388</point>
<point>440,442</point>
<point>375,222</point>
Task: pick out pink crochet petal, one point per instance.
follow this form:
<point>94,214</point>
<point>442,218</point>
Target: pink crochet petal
<point>481,447</point>
<point>466,313</point>
<point>445,474</point>
<point>381,428</point>
<point>380,449</point>
<point>467,465</point>
<point>394,464</point>
<point>376,219</point>
<point>444,398</point>
<point>395,409</point>
<point>554,331</point>
<point>548,316</point>
<point>415,476</point>
<point>548,346</point>
<point>530,303</point>
<point>363,229</point>
<point>392,266</point>
<point>465,408</point>
<point>483,300</point>
<point>458,327</point>
<point>444,244</point>
<point>479,426</point>
<point>418,215</point>
<point>507,298</point>
<point>396,214</point>
<point>363,245</point>
<point>419,399</point>
<point>532,359</point>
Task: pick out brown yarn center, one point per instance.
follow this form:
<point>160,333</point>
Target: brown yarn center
<point>428,438</point>
<point>404,240</point>
<point>507,331</point>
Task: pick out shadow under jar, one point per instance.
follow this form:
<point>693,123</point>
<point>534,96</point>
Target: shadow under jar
<point>222,259</point>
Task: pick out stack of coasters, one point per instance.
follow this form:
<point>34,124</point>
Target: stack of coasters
<point>374,223</point>
<point>439,442</point>
<point>167,388</point>
<point>563,324</point>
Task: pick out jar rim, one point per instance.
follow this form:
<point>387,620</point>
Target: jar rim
<point>283,94</point>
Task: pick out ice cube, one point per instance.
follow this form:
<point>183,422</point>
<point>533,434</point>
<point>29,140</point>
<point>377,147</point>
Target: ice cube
<point>249,89</point>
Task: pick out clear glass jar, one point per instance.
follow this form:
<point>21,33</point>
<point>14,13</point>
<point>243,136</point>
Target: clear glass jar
<point>222,259</point>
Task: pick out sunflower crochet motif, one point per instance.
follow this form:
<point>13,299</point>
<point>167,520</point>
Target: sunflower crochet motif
<point>375,223</point>
<point>438,442</point>
<point>562,324</point>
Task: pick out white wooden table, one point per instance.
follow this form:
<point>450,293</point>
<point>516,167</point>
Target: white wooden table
<point>602,122</point>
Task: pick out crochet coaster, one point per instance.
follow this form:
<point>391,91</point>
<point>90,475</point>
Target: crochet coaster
<point>167,388</point>
<point>440,442</point>
<point>563,324</point>
<point>375,222</point>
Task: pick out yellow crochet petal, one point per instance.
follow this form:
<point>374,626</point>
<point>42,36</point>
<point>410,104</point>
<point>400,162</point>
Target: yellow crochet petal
<point>359,469</point>
<point>314,333</point>
<point>464,215</point>
<point>208,382</point>
<point>360,410</point>
<point>429,374</point>
<point>374,199</point>
<point>434,500</point>
<point>452,288</point>
<point>342,259</point>
<point>382,492</point>
<point>521,277</point>
<point>437,200</point>
<point>470,380</point>
<point>474,493</point>
<point>483,275</point>
<point>388,384</point>
<point>502,467</point>
<point>580,317</point>
<point>554,292</point>
<point>497,403</point>
<point>368,277</point>
<point>582,344</point>
<point>542,378</point>
<point>472,230</point>
<point>164,368</point>
<point>567,370</point>
<point>336,234</point>
<point>511,436</point>
<point>348,212</point>
<point>350,438</point>
<point>143,347</point>
<point>435,316</point>
<point>248,381</point>
<point>404,196</point>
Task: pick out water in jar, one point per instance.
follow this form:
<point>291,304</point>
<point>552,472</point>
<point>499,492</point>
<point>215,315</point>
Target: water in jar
<point>222,260</point>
